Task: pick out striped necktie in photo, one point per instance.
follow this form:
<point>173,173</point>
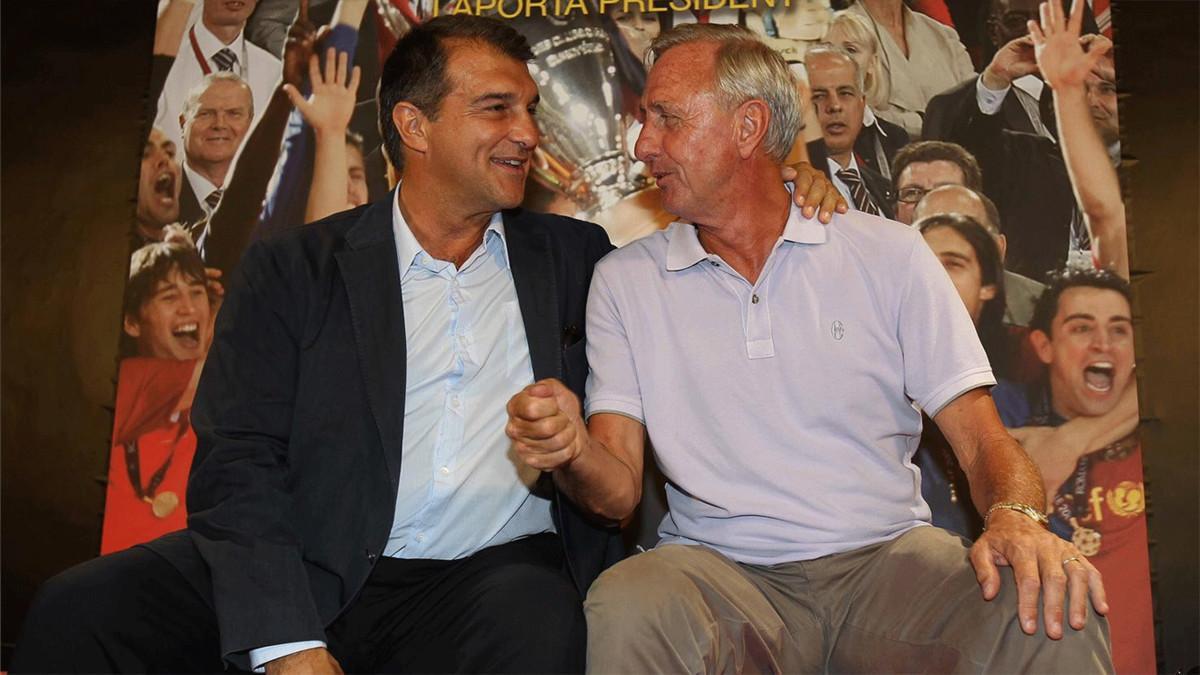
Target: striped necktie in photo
<point>212,200</point>
<point>225,59</point>
<point>858,190</point>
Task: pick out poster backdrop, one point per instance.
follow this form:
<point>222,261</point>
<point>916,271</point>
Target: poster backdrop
<point>231,157</point>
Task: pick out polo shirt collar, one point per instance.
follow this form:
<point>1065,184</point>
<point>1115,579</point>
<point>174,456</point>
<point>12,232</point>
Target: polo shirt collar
<point>684,249</point>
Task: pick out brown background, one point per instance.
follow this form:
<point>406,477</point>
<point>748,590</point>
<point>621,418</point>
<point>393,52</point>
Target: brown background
<point>74,74</point>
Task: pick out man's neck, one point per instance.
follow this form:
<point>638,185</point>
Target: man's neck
<point>842,159</point>
<point>213,172</point>
<point>147,231</point>
<point>443,232</point>
<point>226,34</point>
<point>744,234</point>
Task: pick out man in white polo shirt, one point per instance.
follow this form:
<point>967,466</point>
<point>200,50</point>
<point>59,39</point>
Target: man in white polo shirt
<point>780,369</point>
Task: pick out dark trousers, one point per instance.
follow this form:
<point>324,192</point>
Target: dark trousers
<point>509,608</point>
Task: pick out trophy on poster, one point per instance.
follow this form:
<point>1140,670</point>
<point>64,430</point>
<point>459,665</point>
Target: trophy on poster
<point>585,155</point>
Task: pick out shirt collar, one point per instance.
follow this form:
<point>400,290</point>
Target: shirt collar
<point>408,248</point>
<point>210,44</point>
<point>834,167</point>
<point>201,186</point>
<point>869,120</point>
<point>1030,84</point>
<point>684,248</point>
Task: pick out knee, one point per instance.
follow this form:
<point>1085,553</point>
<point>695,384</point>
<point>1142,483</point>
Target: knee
<point>639,593</point>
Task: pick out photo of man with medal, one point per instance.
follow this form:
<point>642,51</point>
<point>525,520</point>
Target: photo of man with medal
<point>1079,424</point>
<point>168,309</point>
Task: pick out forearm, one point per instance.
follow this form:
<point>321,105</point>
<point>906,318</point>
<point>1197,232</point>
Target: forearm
<point>1093,178</point>
<point>1003,472</point>
<point>327,195</point>
<point>168,32</point>
<point>600,482</point>
<point>997,468</point>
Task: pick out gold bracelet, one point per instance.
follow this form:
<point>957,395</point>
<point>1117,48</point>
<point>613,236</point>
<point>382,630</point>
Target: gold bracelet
<point>1038,516</point>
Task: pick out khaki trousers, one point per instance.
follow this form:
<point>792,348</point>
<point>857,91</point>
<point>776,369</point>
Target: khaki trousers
<point>911,604</point>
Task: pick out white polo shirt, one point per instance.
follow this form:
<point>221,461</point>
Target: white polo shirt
<point>785,413</point>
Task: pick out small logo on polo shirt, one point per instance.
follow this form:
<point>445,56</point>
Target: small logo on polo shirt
<point>838,329</point>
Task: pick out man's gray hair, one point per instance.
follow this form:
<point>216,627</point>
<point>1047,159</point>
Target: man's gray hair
<point>746,68</point>
<point>192,102</point>
<point>836,51</point>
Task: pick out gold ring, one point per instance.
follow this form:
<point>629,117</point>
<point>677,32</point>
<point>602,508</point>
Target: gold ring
<point>1073,558</point>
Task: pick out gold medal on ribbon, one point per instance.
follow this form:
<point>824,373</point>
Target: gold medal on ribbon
<point>165,503</point>
<point>1086,540</point>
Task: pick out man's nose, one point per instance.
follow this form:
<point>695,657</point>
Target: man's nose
<point>525,131</point>
<point>645,148</point>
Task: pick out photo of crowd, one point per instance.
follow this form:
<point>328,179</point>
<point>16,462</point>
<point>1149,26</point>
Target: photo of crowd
<point>1001,147</point>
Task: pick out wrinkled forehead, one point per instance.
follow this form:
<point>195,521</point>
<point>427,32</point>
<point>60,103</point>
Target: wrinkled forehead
<point>682,73</point>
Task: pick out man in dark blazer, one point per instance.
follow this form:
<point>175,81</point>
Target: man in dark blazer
<point>840,102</point>
<point>293,543</point>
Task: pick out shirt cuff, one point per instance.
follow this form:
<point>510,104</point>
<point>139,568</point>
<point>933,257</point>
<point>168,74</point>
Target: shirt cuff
<point>620,406</point>
<point>989,100</point>
<point>972,379</point>
<point>260,656</point>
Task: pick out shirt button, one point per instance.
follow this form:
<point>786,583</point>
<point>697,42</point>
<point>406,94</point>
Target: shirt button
<point>445,471</point>
<point>420,537</point>
<point>714,263</point>
<point>754,298</point>
<point>453,401</point>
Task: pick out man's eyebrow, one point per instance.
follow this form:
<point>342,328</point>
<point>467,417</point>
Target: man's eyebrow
<point>494,96</point>
<point>1082,316</point>
<point>659,107</point>
<point>955,255</point>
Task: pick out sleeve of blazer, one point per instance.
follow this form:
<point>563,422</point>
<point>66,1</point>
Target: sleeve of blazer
<point>238,495</point>
<point>945,110</point>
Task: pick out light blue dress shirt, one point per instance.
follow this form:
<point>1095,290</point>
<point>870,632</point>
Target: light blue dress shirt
<point>461,487</point>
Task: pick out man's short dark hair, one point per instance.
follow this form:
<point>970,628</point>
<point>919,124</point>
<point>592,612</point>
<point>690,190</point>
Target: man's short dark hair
<point>415,71</point>
<point>933,151</point>
<point>1062,280</point>
<point>992,333</point>
<point>152,263</point>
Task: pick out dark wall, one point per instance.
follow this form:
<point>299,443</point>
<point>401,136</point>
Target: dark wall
<point>1157,60</point>
<point>73,80</point>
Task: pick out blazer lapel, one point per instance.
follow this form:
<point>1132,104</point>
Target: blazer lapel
<point>537,293</point>
<point>371,273</point>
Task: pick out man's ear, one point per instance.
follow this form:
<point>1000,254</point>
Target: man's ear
<point>1041,346</point>
<point>412,125</point>
<point>1002,244</point>
<point>987,292</point>
<point>751,120</point>
<point>132,328</point>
